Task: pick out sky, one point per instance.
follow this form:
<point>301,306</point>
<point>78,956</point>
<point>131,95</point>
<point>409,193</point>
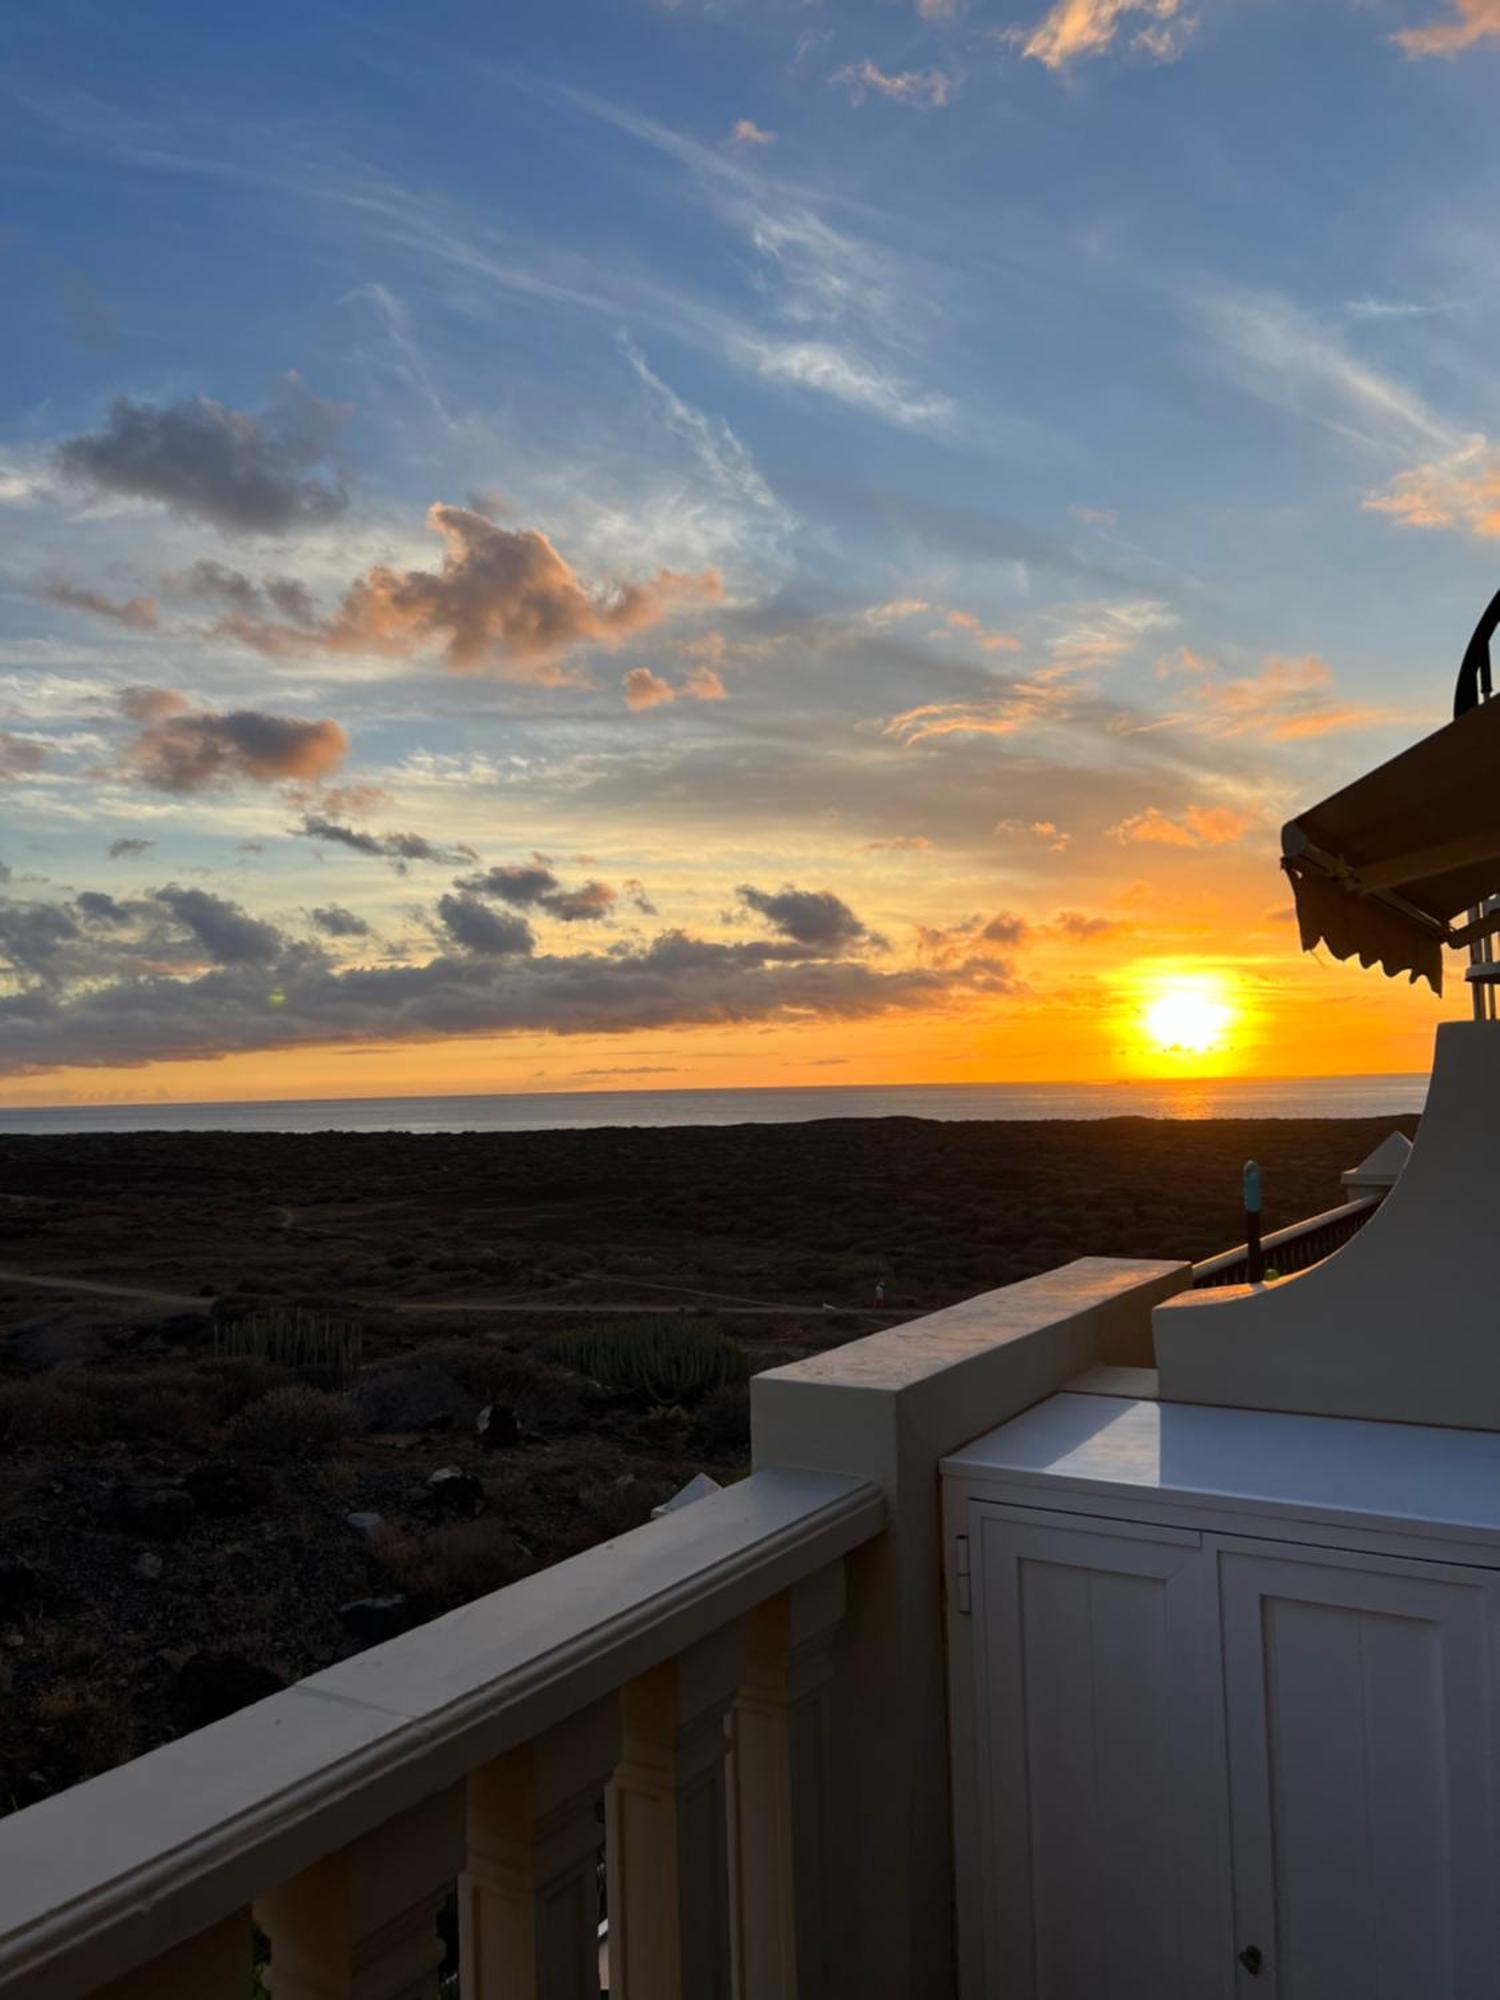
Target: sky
<point>613,544</point>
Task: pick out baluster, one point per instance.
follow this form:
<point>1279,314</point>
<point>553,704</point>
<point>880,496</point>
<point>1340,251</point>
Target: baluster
<point>362,1924</point>
<point>528,1901</point>
<point>214,1965</point>
<point>667,1817</point>
<point>781,1788</point>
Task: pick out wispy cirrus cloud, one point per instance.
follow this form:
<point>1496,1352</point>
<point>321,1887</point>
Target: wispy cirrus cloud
<point>1299,362</point>
<point>1470,22</point>
<point>926,89</point>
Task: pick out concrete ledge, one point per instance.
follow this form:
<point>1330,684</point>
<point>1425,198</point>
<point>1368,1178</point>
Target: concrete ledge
<point>114,1872</point>
<point>888,1409</point>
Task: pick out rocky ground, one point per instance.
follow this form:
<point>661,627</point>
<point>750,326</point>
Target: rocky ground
<point>277,1449</point>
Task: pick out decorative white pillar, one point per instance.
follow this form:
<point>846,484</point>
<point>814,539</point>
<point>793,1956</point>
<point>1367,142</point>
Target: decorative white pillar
<point>782,1793</point>
<point>668,1818</point>
<point>362,1924</point>
<point>528,1900</point>
<point>214,1965</point>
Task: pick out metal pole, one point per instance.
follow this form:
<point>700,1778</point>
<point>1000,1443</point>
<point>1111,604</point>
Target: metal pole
<point>1256,1259</point>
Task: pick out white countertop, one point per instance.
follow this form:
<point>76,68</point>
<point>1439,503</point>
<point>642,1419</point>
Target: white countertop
<point>1404,1476</point>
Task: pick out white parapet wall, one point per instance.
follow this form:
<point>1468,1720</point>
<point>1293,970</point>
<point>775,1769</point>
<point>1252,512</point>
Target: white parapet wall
<point>887,1410</point>
<point>1401,1323</point>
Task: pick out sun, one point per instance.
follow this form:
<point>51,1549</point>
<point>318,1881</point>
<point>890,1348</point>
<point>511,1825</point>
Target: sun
<point>1191,1015</point>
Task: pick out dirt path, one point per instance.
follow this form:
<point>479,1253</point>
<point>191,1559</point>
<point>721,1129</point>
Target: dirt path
<point>194,1302</point>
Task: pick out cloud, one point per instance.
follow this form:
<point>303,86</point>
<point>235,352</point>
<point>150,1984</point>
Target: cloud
<point>1474,21</point>
<point>504,601</point>
<point>880,616</point>
<point>956,943</point>
<point>19,756</point>
<point>282,596</point>
<point>1285,701</point>
<point>241,473</point>
<point>927,88</point>
<point>186,750</point>
<point>1459,490</point>
<point>899,843</point>
<point>1081,929</point>
<point>645,689</point>
<point>813,917</point>
<point>138,614</point>
<point>989,641</point>
<point>1074,28</point>
<point>1199,826</point>
<point>1295,362</point>
<point>225,931</point>
<point>535,887</point>
<point>845,376</point>
<point>1021,703</point>
<point>1043,830</point>
<point>475,927</point>
<point>745,132</point>
<point>400,849</point>
<point>129,847</point>
<point>138,1016</point>
<point>335,921</point>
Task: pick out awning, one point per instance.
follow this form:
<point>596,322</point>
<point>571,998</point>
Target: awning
<point>1381,870</point>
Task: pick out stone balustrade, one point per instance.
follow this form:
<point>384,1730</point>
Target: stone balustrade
<point>738,1710</point>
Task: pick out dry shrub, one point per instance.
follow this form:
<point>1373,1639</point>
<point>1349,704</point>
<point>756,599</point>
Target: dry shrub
<point>175,1412</point>
<point>46,1413</point>
<point>342,1476</point>
<point>93,1731</point>
<point>724,1422</point>
<point>294,1422</point>
<point>233,1384</point>
<point>451,1565</point>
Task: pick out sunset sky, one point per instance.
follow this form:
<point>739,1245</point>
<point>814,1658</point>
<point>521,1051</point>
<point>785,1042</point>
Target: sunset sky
<point>611,544</point>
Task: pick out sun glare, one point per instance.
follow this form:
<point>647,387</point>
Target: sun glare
<point>1189,1016</point>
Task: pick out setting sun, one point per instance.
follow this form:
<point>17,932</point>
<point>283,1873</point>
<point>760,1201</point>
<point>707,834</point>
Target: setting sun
<point>1190,1016</point>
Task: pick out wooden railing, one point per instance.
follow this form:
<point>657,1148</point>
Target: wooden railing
<point>1294,1248</point>
<point>662,1700</point>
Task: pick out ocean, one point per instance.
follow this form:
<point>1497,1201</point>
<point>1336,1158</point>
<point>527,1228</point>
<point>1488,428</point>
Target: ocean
<point>1218,1097</point>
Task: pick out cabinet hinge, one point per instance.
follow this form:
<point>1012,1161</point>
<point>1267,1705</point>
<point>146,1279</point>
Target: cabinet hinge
<point>963,1595</point>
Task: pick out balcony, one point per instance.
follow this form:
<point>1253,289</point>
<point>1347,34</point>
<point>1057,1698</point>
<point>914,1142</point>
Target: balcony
<point>737,1711</point>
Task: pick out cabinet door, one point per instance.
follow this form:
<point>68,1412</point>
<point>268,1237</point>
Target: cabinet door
<point>1359,1697</point>
<point>1099,1789</point>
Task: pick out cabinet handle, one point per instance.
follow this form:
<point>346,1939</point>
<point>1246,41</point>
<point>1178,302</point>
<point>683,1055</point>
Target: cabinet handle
<point>1250,1958</point>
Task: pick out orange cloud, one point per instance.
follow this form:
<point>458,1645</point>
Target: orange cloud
<point>502,596</point>
<point>1074,28</point>
<point>745,132</point>
<point>990,641</point>
<point>1286,701</point>
<point>645,689</point>
<point>184,750</point>
<point>1022,702</point>
<point>1199,826</point>
<point>1460,491</point>
<point>1477,21</point>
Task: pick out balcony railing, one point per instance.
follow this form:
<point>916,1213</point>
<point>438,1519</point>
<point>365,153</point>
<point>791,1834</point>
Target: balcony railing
<point>739,1708</point>
<point>1295,1248</point>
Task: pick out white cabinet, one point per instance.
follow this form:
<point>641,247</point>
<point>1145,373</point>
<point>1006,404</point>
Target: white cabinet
<point>1357,1692</point>
<point>1214,1755</point>
<point>1100,1817</point>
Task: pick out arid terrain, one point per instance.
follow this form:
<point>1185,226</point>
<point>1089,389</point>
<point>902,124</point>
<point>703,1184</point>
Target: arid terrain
<point>231,1365</point>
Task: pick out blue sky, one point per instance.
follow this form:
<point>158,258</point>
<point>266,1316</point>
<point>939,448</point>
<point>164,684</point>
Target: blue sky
<point>979,466</point>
